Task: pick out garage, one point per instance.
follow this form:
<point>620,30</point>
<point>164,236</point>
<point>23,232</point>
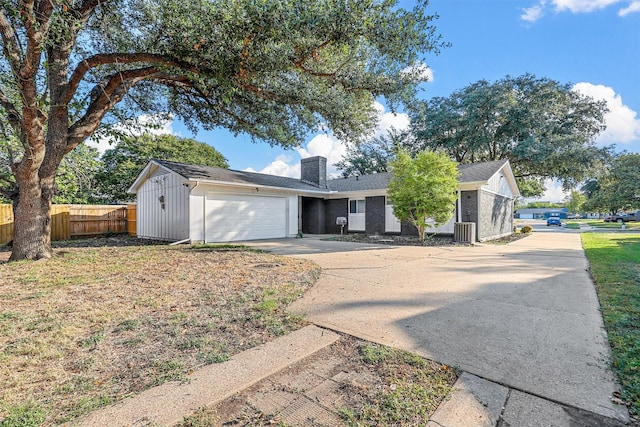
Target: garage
<point>233,217</point>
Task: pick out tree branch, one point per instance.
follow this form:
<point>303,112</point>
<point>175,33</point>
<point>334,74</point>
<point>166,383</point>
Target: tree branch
<point>9,43</point>
<point>299,64</point>
<point>84,10</point>
<point>37,28</point>
<point>120,58</point>
<point>13,116</point>
<point>45,9</point>
<point>181,81</point>
<point>104,98</point>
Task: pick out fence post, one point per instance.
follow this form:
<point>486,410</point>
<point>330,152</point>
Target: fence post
<point>6,223</point>
<point>132,219</point>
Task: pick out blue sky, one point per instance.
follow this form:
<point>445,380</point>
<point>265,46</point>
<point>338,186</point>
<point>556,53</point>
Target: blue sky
<point>593,44</point>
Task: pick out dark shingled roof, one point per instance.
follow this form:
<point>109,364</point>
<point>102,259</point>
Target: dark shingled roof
<point>475,172</point>
<point>210,173</point>
<point>374,181</point>
<point>378,181</point>
<point>468,173</point>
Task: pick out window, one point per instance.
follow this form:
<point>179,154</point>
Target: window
<point>356,206</point>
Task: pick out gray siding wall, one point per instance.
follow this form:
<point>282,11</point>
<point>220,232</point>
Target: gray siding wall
<point>313,215</point>
<point>334,208</point>
<point>168,220</point>
<point>374,215</point>
<point>496,218</point>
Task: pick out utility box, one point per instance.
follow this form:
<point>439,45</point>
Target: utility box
<point>464,232</point>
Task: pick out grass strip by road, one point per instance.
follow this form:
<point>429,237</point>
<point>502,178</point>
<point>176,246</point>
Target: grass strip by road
<point>96,324</point>
<point>598,223</point>
<point>613,263</point>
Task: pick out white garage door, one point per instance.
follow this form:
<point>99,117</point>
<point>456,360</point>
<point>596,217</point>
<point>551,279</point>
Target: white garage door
<point>231,217</point>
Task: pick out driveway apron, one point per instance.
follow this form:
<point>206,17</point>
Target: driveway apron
<point>524,315</point>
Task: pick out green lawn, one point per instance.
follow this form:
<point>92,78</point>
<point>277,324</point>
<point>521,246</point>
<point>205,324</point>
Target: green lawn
<point>614,262</point>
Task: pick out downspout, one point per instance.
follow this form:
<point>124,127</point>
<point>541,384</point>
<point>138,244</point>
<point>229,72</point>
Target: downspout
<point>459,206</point>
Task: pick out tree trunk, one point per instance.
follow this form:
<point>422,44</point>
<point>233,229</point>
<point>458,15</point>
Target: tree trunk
<point>32,221</point>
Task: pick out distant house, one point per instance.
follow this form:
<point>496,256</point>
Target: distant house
<point>541,213</point>
<point>177,201</point>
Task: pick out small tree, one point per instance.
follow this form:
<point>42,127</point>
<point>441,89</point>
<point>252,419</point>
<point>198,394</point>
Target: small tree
<point>574,201</point>
<point>423,188</point>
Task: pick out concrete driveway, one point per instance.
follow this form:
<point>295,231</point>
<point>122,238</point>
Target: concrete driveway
<point>524,315</point>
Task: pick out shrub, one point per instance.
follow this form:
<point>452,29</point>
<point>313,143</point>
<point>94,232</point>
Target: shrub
<point>526,229</point>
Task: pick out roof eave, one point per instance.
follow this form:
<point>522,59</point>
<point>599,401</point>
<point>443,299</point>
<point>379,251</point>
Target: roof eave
<point>266,187</point>
<point>512,178</point>
<point>151,166</point>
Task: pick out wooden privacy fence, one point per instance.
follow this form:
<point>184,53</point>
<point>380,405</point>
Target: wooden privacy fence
<point>75,221</point>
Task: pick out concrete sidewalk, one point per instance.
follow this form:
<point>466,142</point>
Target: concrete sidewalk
<point>169,403</point>
<point>524,316</point>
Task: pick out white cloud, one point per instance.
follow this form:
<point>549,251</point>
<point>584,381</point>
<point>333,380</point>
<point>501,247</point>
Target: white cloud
<point>553,192</point>
<point>577,6</point>
<point>422,70</point>
<point>533,13</point>
<point>327,145</point>
<point>623,126</point>
<point>634,6</point>
<point>156,125</point>
<point>282,166</point>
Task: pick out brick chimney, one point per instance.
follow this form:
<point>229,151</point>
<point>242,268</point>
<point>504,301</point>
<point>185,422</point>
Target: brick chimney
<point>313,170</point>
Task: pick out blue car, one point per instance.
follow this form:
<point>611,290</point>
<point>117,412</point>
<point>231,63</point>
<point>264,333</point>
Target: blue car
<point>554,220</point>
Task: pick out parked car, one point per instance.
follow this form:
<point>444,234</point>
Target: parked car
<point>621,217</point>
<point>554,220</point>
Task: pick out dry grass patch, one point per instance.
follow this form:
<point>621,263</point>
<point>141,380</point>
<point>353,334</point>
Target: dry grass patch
<point>96,324</point>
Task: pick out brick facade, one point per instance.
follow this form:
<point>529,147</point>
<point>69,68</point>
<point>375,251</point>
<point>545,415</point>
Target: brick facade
<point>374,220</point>
<point>313,215</point>
<point>333,209</point>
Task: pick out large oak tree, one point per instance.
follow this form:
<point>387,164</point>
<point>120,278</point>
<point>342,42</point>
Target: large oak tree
<point>544,128</point>
<point>274,69</point>
<point>617,187</point>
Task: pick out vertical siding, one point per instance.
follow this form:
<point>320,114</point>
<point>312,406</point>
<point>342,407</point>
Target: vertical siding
<point>168,220</point>
<point>292,220</point>
<point>499,184</point>
<point>196,214</point>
